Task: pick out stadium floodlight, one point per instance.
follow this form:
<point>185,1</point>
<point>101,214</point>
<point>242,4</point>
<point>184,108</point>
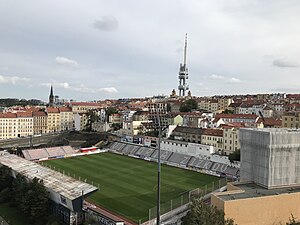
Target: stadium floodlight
<point>158,170</point>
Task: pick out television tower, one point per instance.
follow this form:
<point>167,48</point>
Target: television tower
<point>183,73</point>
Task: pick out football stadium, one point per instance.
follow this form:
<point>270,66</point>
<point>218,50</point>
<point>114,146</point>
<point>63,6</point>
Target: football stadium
<point>121,179</point>
<point>127,186</point>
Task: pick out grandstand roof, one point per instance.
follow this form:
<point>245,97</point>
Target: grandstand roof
<point>59,183</point>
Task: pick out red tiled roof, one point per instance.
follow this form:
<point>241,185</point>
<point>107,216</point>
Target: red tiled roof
<point>244,116</point>
<point>213,132</point>
<point>270,122</point>
<point>65,109</point>
<point>52,110</point>
<point>8,115</point>
<point>24,114</point>
<point>39,113</point>
<point>85,104</point>
<point>233,125</point>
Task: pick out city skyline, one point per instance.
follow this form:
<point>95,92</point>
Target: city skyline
<point>97,49</point>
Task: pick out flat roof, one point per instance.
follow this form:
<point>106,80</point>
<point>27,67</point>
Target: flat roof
<point>274,130</point>
<point>252,190</point>
<point>58,182</point>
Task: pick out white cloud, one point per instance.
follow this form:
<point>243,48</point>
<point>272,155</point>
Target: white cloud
<point>108,90</point>
<point>106,23</point>
<point>228,80</point>
<point>11,79</point>
<point>284,63</point>
<point>81,88</point>
<point>233,80</point>
<point>217,77</point>
<point>65,61</point>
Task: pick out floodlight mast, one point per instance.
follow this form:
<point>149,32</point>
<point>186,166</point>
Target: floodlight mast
<point>158,171</point>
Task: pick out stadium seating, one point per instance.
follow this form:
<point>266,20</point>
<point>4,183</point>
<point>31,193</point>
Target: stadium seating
<point>164,155</point>
<point>117,146</point>
<point>200,163</point>
<point>68,149</point>
<point>55,151</point>
<point>144,152</point>
<point>130,149</point>
<point>36,154</point>
<point>179,159</point>
<point>44,153</point>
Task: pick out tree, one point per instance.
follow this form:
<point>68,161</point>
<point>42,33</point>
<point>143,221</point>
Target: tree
<point>188,105</point>
<point>92,117</point>
<point>227,111</point>
<point>110,111</point>
<point>235,156</point>
<point>203,214</point>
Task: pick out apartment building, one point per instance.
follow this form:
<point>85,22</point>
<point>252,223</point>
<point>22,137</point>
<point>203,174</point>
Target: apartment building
<point>8,126</point>
<point>223,103</point>
<point>291,119</point>
<point>83,107</point>
<point>66,118</point>
<point>39,122</point>
<point>213,137</point>
<point>25,124</point>
<point>231,141</point>
<point>208,105</point>
<point>80,121</point>
<point>53,120</point>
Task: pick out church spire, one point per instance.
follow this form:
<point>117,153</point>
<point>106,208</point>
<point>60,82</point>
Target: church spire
<point>51,97</point>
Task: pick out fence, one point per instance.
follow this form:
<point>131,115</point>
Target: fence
<point>185,198</point>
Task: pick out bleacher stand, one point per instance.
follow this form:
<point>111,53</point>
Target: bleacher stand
<point>179,159</point>
<point>144,152</point>
<point>45,153</point>
<point>200,163</point>
<point>37,154</point>
<point>55,152</point>
<point>222,168</point>
<point>130,149</point>
<point>117,146</point>
<point>164,155</point>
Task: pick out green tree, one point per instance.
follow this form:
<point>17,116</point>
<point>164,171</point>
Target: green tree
<point>188,105</point>
<point>235,156</point>
<point>109,111</point>
<point>227,111</point>
<point>92,117</point>
<point>203,214</point>
<point>5,177</point>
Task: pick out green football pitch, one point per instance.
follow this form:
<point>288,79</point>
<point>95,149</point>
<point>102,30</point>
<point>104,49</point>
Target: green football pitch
<point>128,186</point>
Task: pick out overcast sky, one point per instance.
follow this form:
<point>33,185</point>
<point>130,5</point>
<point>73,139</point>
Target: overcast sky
<point>96,49</point>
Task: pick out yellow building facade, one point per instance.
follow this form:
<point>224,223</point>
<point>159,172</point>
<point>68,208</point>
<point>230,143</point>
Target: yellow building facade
<point>249,204</point>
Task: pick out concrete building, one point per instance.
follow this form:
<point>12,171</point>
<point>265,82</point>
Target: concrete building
<point>251,204</point>
<point>270,157</point>
<point>269,189</point>
<point>192,149</point>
